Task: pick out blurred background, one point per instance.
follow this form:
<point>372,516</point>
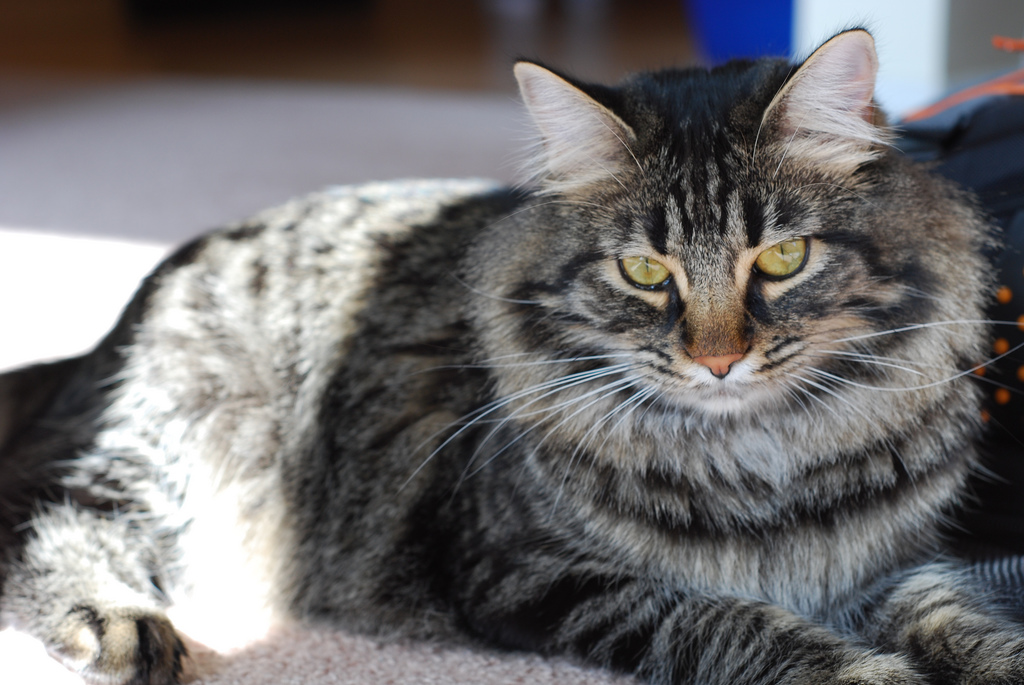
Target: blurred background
<point>156,119</point>
<point>145,122</point>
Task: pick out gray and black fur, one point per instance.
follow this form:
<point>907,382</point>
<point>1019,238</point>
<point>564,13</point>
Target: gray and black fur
<point>443,408</point>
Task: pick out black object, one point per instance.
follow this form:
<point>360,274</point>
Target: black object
<point>976,137</point>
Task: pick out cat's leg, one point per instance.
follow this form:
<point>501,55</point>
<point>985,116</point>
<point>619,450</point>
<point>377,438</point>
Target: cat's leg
<point>83,585</point>
<point>939,617</point>
<point>666,636</point>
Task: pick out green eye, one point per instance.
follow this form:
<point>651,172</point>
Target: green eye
<point>784,259</point>
<point>643,272</point>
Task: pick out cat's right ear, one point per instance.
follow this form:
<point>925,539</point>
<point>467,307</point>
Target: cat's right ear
<point>826,110</point>
<point>582,141</point>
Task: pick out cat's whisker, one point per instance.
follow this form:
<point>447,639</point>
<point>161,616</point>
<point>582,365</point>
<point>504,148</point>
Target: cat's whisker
<point>548,412</point>
<point>830,391</point>
<point>789,144</point>
<point>807,393</point>
<point>555,408</point>
<point>764,119</point>
<point>970,371</point>
<point>498,298</point>
<point>636,401</point>
<point>795,392</point>
<point>607,390</point>
<point>487,363</point>
<point>928,324</point>
<point>518,414</point>
<point>894,453</point>
<point>632,402</point>
<point>547,388</point>
<point>625,145</point>
<point>538,205</point>
<point>871,360</point>
<point>541,362</point>
<point>603,392</point>
<point>567,381</point>
<point>859,196</point>
<point>868,359</point>
<point>922,294</point>
<point>478,414</point>
<point>870,356</point>
<point>578,451</point>
<point>630,405</point>
<point>908,388</point>
<point>611,173</point>
<point>925,365</point>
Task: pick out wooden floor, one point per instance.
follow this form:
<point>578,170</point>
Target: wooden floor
<point>451,44</point>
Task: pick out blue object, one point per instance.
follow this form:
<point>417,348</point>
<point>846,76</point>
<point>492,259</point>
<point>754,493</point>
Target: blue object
<point>725,29</point>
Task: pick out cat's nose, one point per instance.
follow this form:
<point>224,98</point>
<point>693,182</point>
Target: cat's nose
<point>718,364</point>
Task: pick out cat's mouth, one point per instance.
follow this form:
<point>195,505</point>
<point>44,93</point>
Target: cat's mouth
<point>735,392</point>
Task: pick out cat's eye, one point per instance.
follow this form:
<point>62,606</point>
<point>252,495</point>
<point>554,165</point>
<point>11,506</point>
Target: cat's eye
<point>644,272</point>
<point>783,259</point>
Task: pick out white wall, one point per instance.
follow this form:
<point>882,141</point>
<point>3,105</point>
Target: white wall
<point>924,46</point>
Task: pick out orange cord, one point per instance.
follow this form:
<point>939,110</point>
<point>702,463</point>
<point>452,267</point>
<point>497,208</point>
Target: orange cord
<point>1008,84</point>
<point>1008,44</point>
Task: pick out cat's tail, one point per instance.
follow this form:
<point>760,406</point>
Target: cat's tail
<point>27,396</point>
<point>26,393</point>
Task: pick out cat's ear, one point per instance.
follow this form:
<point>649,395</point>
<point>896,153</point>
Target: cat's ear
<point>826,110</point>
<point>582,141</point>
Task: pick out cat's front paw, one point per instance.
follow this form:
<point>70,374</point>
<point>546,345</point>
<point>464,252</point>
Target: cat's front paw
<point>967,648</point>
<point>124,645</point>
<point>996,659</point>
<point>860,668</point>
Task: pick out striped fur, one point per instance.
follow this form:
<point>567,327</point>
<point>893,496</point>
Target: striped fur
<point>441,409</point>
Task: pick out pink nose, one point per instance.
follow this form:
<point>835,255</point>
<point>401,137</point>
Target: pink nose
<point>719,365</point>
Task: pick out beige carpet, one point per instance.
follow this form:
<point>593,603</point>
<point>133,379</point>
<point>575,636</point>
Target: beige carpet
<point>297,656</point>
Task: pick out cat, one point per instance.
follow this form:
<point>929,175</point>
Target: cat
<point>692,404</point>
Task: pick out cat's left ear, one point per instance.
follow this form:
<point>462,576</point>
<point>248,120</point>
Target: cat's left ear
<point>826,110</point>
<point>582,141</point>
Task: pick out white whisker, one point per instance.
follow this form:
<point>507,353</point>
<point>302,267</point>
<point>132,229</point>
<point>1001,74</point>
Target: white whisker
<point>872,360</point>
<point>619,138</point>
<point>499,298</point>
<point>542,204</point>
<point>576,452</point>
<point>475,416</point>
<point>539,362</point>
<point>918,326</point>
<point>829,391</point>
<point>811,395</point>
<point>607,389</point>
<point>840,187</point>
<point>764,117</point>
<point>632,402</point>
<point>924,386</point>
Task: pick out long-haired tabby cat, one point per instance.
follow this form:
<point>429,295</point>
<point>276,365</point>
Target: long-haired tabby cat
<point>692,406</point>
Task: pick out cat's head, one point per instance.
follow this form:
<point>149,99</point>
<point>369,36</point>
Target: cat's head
<point>732,237</point>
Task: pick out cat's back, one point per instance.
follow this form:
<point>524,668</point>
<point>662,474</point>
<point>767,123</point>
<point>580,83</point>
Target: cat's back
<point>225,351</point>
<point>293,278</point>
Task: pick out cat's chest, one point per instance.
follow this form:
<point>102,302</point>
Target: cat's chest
<point>808,564</point>
<point>749,515</point>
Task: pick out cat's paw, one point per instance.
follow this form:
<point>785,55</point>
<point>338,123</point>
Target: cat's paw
<point>862,668</point>
<point>122,646</point>
<point>994,660</point>
<point>967,648</point>
<point>880,669</point>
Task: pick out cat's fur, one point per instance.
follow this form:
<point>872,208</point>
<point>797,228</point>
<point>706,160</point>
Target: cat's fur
<point>440,408</point>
